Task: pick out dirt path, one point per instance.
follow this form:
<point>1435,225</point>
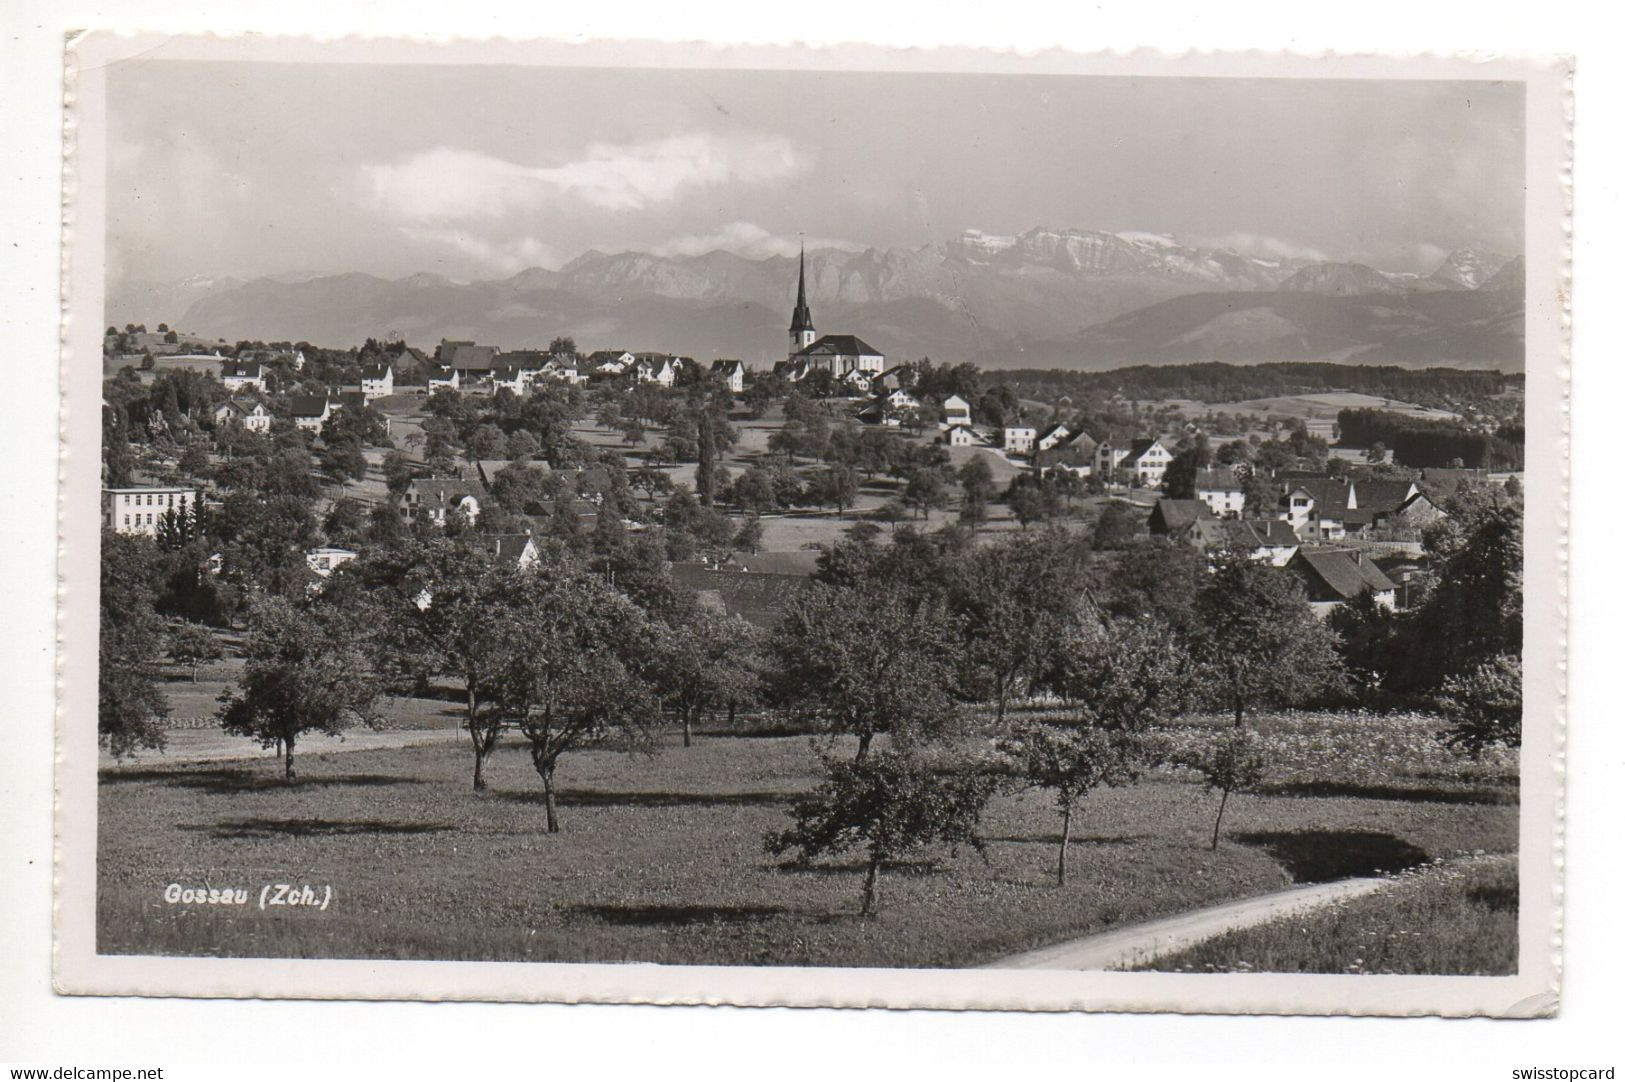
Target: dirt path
<point>1124,948</point>
<point>208,746</point>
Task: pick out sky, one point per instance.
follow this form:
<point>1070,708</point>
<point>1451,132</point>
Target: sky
<point>256,169</point>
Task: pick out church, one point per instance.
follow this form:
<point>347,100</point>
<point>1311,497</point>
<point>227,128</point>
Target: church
<point>845,356</point>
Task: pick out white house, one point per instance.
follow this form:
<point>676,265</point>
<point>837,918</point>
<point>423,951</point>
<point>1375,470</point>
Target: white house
<point>257,418</point>
<point>445,378</point>
<point>1221,491</point>
<point>902,401</point>
<point>657,368</point>
<point>1020,439</point>
<point>323,560</point>
<point>237,375</point>
<point>1142,461</point>
<point>731,373</point>
<point>961,435</point>
<point>955,411</point>
<point>139,509</point>
<point>510,377</point>
<point>377,380</point>
<point>432,498</point>
<point>311,411</point>
<point>1051,436</point>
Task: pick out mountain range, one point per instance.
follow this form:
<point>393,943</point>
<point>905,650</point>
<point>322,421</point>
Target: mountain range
<point>1046,297</point>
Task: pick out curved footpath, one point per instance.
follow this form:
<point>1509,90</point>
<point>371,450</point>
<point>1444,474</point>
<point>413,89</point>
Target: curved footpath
<point>212,745</point>
<point>1137,944</point>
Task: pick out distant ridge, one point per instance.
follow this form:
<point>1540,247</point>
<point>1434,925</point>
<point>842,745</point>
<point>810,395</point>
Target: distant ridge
<point>1042,296</point>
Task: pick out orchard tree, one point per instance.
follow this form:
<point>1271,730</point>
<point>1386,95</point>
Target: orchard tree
<point>307,671</point>
<point>1257,640</point>
<point>1484,706</point>
<point>192,645</point>
<point>867,659</point>
<point>704,663</point>
<point>576,674</point>
<point>130,707</point>
<point>1230,762</point>
<point>888,806</point>
<point>1070,761</point>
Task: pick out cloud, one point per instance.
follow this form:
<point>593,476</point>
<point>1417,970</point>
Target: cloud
<point>1261,246</point>
<point>746,239</point>
<point>508,256</point>
<point>448,184</point>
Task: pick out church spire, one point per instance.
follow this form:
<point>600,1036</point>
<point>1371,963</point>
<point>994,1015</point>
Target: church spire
<point>801,324</point>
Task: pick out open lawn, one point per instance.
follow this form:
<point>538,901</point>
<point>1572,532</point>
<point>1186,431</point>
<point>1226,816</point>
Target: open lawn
<point>661,857</point>
<point>1449,918</point>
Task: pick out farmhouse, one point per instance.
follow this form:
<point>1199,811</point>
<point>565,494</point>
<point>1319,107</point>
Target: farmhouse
<point>139,509</point>
<point>470,361</point>
<point>1184,520</point>
<point>1263,539</point>
<point>1330,509</point>
<point>1333,576</point>
<point>237,375</point>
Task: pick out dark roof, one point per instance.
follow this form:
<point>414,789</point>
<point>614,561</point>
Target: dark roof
<point>1328,493</point>
<point>307,405</point>
<point>1383,496</point>
<point>599,356</point>
<point>726,366</point>
<point>508,547</point>
<point>350,399</point>
<point>250,369</point>
<point>467,357</point>
<point>801,318</point>
<point>843,345</point>
<point>1338,574</point>
<point>1220,480</point>
<point>526,358</point>
<point>374,371</point>
<point>1139,447</point>
<point>1176,517</point>
<point>1261,533</point>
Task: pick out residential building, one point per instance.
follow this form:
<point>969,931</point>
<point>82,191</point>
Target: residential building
<point>1264,539</point>
<point>310,411</point>
<point>1221,491</point>
<point>140,509</point>
<point>377,380</point>
<point>511,378</point>
<point>731,373</point>
<point>961,435</point>
<point>658,368</point>
<point>444,378</point>
<point>1019,439</point>
<point>1052,435</point>
<point>611,361</point>
<point>1142,462</point>
<point>955,411</point>
<point>323,560</point>
<point>1185,520</point>
<point>1334,576</point>
<point>472,362</point>
<point>238,375</point>
<point>518,549</point>
<point>433,498</point>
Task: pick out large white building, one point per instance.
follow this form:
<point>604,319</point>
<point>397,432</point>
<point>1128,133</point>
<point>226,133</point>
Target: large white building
<point>837,354</point>
<point>139,509</point>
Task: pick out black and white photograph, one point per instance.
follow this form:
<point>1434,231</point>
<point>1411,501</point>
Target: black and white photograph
<point>812,526</point>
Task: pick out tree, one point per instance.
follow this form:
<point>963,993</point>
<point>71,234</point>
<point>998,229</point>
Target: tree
<point>1013,599</point>
<point>1485,706</point>
<point>1377,452</point>
<point>706,662</point>
<point>1070,760</point>
<point>749,537</point>
<point>1029,501</point>
<point>306,672</point>
<point>867,659</point>
<point>562,346</point>
<point>397,473</point>
<point>576,675</point>
<point>889,805</point>
<point>1231,762</point>
<point>130,707</point>
<point>1118,526</point>
<point>926,491</point>
<point>192,645</point>
<point>1257,640</point>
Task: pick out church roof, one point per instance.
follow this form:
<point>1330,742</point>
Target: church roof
<point>839,345</point>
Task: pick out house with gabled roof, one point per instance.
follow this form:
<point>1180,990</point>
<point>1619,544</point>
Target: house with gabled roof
<point>377,380</point>
<point>1184,520</point>
<point>517,549</point>
<point>1052,435</point>
<point>1222,491</point>
<point>1264,539</point>
<point>238,375</point>
<point>1142,461</point>
<point>1019,439</point>
<point>731,373</point>
<point>434,498</point>
<point>444,378</point>
<point>470,361</point>
<point>1333,576</point>
<point>310,411</point>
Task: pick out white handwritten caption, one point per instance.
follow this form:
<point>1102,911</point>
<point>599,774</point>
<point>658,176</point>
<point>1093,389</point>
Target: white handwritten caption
<point>301,895</point>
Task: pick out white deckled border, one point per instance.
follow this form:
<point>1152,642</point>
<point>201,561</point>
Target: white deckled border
<point>1532,992</point>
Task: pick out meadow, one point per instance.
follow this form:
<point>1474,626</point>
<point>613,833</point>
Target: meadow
<point>1458,917</point>
<point>661,857</point>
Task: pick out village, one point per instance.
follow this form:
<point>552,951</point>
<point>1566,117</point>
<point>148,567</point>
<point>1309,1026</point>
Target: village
<point>1016,603</point>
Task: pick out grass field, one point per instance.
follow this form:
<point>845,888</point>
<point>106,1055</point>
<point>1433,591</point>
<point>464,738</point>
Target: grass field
<point>661,859</point>
<point>1459,918</point>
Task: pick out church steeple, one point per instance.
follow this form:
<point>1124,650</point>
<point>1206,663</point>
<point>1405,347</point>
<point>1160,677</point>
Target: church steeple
<point>801,324</point>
